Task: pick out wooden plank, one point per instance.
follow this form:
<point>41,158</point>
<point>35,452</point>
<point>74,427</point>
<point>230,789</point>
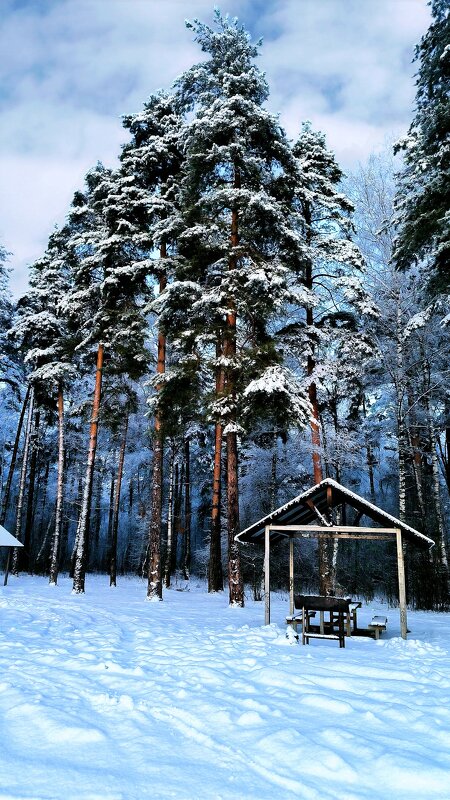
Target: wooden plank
<point>316,511</point>
<point>329,496</point>
<point>291,574</point>
<point>383,537</point>
<point>401,585</point>
<point>267,576</point>
<point>330,528</point>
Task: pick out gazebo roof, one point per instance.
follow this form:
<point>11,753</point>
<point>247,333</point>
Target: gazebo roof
<point>309,506</point>
<point>7,539</point>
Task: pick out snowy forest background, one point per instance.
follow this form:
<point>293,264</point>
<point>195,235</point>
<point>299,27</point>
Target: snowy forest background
<point>222,321</point>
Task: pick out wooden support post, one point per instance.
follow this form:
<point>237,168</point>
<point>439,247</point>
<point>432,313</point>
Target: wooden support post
<point>267,576</point>
<point>401,584</point>
<point>291,575</point>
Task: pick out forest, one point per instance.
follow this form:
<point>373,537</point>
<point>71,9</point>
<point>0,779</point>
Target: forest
<point>224,320</point>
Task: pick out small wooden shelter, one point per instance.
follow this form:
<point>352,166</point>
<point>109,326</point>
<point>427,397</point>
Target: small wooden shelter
<point>308,516</point>
<point>7,539</point>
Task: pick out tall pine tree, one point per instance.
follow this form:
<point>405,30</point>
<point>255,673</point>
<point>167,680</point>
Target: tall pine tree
<point>151,165</point>
<point>235,242</point>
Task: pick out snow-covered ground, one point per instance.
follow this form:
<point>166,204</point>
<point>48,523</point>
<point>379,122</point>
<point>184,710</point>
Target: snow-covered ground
<point>107,696</point>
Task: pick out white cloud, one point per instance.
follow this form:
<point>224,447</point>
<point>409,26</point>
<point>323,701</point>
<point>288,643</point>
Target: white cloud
<point>69,68</point>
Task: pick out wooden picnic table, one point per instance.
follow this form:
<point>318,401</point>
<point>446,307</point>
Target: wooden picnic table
<point>338,609</point>
<point>352,616</point>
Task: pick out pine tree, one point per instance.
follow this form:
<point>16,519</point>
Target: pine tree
<point>325,280</point>
<point>423,199</point>
<point>106,304</point>
<point>151,165</point>
<point>235,241</point>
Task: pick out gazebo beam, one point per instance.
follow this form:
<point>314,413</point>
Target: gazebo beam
<point>316,511</point>
<point>291,575</point>
<point>383,537</point>
<point>401,585</point>
<point>267,575</point>
<point>330,529</point>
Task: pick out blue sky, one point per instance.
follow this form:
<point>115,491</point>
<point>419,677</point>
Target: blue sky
<point>70,68</point>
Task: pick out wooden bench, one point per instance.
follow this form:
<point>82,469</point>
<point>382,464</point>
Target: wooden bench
<point>378,625</point>
<point>296,619</point>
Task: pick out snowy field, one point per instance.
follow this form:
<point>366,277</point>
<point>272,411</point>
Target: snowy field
<point>108,696</point>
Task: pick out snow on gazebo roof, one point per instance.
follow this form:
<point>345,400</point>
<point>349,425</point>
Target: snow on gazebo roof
<point>7,539</point>
<point>298,512</point>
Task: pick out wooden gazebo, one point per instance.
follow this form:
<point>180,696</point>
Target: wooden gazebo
<point>308,516</point>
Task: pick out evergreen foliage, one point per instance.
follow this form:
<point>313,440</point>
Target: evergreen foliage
<point>423,200</point>
<point>10,368</point>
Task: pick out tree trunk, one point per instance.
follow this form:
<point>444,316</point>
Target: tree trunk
<point>96,522</point>
<point>12,465</point>
<point>447,453</point>
<point>315,427</point>
<point>322,546</point>
<point>115,521</point>
<point>187,512</point>
<point>370,461</point>
<point>42,520</point>
<point>273,474</point>
<point>45,538</point>
<point>443,566</point>
<point>401,431</point>
<point>110,515</point>
<point>154,582</point>
<point>169,550</point>
<point>78,504</point>
<point>54,557</point>
<point>25,559</point>
<point>235,582</point>
<point>81,556</point>
<point>414,446</point>
<point>23,474</point>
<point>177,512</point>
<point>236,587</point>
<point>215,574</point>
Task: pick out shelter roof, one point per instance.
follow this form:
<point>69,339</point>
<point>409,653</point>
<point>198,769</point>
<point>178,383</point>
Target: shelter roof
<point>307,508</point>
<point>7,539</point>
